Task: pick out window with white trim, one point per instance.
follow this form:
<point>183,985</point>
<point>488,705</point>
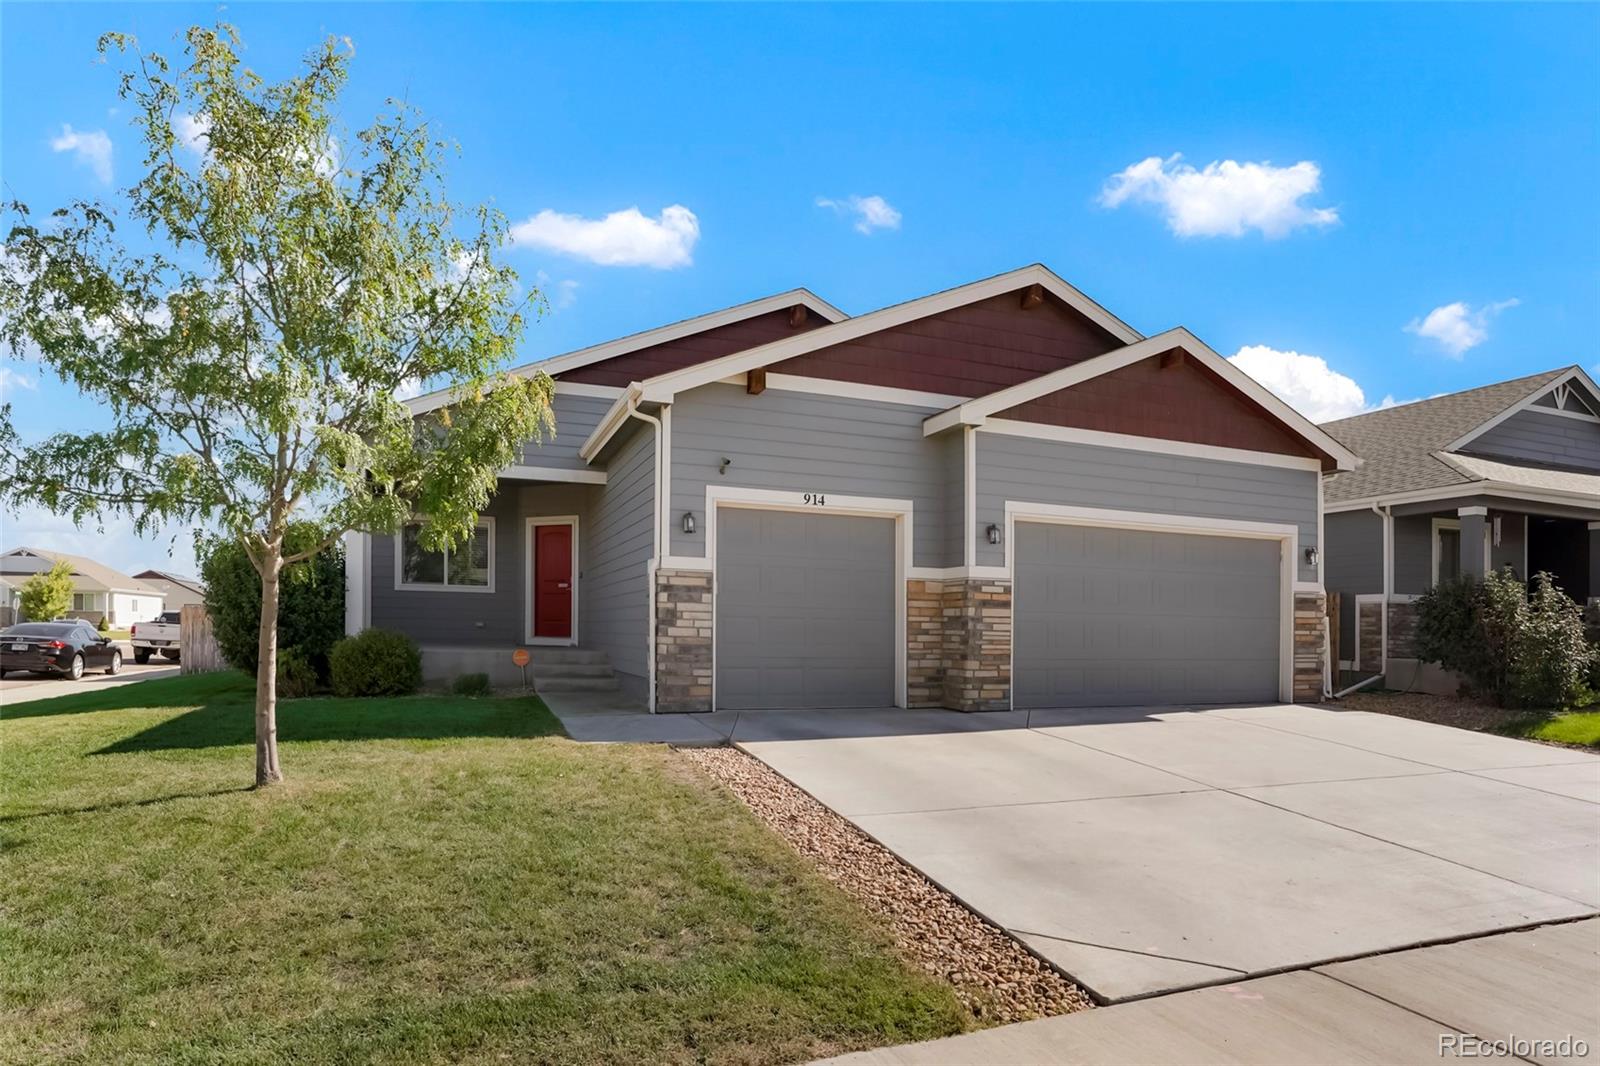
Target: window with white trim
<point>467,566</point>
<point>81,602</point>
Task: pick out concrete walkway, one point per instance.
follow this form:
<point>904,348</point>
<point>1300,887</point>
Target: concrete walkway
<point>18,689</point>
<point>1148,851</point>
<point>1419,1006</point>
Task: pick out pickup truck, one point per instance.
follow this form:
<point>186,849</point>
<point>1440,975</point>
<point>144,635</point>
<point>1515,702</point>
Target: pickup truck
<point>161,636</point>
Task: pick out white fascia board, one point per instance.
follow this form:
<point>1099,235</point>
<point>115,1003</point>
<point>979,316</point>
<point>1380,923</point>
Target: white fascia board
<point>1466,488</point>
<point>553,473</point>
<point>974,412</point>
<point>660,335</point>
<point>661,389</point>
<point>1575,373</point>
<point>610,422</point>
<point>850,390</point>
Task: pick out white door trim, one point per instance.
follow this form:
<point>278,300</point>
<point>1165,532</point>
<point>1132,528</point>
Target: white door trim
<point>530,572</point>
<point>805,502</point>
<point>1288,537</point>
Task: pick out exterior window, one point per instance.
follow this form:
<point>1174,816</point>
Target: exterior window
<point>1449,556</point>
<point>80,602</point>
<point>467,567</point>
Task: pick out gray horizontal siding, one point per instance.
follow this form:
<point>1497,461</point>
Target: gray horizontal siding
<point>1082,475</point>
<point>576,417</point>
<point>799,442</point>
<point>615,584</point>
<point>1413,553</point>
<point>1352,565</point>
<point>1550,440</point>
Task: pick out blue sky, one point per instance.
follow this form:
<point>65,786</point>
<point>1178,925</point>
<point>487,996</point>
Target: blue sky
<point>1403,193</point>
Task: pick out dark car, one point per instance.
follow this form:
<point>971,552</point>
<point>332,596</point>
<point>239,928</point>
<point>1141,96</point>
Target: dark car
<point>66,648</point>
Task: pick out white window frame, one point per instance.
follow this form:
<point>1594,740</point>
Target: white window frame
<point>401,585</point>
<point>1433,539</point>
<point>532,570</point>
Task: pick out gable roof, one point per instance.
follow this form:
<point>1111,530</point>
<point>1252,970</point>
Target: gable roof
<point>1401,446</point>
<point>663,387</point>
<point>977,411</point>
<point>189,583</point>
<point>646,338</point>
<point>82,566</point>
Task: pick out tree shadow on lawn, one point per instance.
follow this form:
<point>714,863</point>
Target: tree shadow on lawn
<point>230,720</point>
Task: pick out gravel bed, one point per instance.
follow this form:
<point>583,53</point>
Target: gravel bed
<point>994,976</point>
<point>1460,711</point>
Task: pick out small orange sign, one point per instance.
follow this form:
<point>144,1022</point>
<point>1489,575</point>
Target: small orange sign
<point>520,656</point>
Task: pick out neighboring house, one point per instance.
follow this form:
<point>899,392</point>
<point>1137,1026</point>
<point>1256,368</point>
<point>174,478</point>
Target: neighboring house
<point>1507,475</point>
<point>10,597</point>
<point>778,506</point>
<point>97,590</point>
<point>180,591</point>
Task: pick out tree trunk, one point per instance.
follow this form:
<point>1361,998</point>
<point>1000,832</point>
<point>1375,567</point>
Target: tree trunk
<point>267,770</point>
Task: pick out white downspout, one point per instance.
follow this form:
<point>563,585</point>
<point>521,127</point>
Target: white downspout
<point>656,524</point>
<point>1387,517</point>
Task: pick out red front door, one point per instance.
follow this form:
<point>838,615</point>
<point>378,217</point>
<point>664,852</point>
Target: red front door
<point>552,581</point>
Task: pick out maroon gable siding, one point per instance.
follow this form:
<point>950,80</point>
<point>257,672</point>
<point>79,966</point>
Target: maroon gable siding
<point>969,351</point>
<point>696,348</point>
<point>1187,402</point>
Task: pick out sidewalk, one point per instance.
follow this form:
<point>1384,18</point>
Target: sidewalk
<point>1419,1006</point>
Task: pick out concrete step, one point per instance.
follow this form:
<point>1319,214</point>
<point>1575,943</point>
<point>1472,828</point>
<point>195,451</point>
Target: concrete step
<point>546,683</point>
<point>539,669</point>
<point>541,656</point>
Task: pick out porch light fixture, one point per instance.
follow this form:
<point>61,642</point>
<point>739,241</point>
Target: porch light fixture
<point>1311,555</point>
<point>688,521</point>
<point>994,533</point>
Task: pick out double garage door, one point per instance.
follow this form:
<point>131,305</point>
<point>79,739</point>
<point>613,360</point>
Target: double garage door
<point>1102,617</point>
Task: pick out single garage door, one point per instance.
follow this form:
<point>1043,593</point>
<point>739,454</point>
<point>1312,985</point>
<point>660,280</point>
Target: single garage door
<point>805,610</point>
<point>1115,617</point>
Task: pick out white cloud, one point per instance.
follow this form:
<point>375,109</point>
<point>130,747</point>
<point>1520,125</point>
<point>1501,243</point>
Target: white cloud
<point>1457,327</point>
<point>871,212</point>
<point>12,380</point>
<point>117,546</point>
<point>622,238</point>
<point>1226,199</point>
<point>191,131</point>
<point>561,294</point>
<point>92,148</point>
<point>1305,382</point>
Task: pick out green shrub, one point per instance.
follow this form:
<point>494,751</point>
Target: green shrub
<point>104,625</point>
<point>310,600</point>
<point>47,594</point>
<point>472,685</point>
<point>1521,645</point>
<point>375,662</point>
<point>297,678</point>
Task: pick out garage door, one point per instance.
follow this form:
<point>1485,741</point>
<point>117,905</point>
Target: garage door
<point>805,610</point>
<point>1113,617</point>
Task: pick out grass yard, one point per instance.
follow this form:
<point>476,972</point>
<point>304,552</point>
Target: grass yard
<point>1581,728</point>
<point>439,880</point>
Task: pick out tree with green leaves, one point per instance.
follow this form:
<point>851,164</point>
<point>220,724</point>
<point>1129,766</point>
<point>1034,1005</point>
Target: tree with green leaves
<point>292,280</point>
<point>47,594</point>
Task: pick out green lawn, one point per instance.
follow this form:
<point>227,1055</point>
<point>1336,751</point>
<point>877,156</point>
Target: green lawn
<point>1577,727</point>
<point>439,880</point>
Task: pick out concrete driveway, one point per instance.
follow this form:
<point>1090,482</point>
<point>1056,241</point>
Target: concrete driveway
<point>1149,851</point>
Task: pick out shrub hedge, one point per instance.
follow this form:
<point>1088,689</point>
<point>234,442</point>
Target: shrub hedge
<point>375,662</point>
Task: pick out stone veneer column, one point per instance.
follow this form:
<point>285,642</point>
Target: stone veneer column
<point>977,645</point>
<point>1310,614</point>
<point>925,643</point>
<point>1369,617</point>
<point>1402,630</point>
<point>683,641</point>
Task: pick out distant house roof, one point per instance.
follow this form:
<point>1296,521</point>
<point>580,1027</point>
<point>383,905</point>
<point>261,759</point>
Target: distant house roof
<point>192,584</point>
<point>95,573</point>
<point>1407,448</point>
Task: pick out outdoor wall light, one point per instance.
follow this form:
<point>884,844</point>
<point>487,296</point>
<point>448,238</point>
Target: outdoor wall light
<point>994,533</point>
<point>688,521</point>
<point>1311,555</point>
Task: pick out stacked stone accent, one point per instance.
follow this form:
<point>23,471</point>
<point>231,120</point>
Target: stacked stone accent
<point>683,641</point>
<point>1310,629</point>
<point>925,643</point>
<point>1370,618</point>
<point>1402,630</point>
<point>977,648</point>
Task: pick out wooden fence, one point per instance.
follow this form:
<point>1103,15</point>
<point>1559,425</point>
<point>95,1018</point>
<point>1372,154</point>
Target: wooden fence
<point>197,644</point>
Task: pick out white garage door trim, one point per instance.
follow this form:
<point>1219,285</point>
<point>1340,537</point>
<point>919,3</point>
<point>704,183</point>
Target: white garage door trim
<point>817,501</point>
<point>1288,536</point>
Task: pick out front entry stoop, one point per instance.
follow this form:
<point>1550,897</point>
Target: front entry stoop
<point>571,670</point>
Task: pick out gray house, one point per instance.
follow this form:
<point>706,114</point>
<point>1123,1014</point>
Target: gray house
<point>1507,475</point>
<point>996,496</point>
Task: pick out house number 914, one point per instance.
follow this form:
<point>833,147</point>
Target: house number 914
<point>815,499</point>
